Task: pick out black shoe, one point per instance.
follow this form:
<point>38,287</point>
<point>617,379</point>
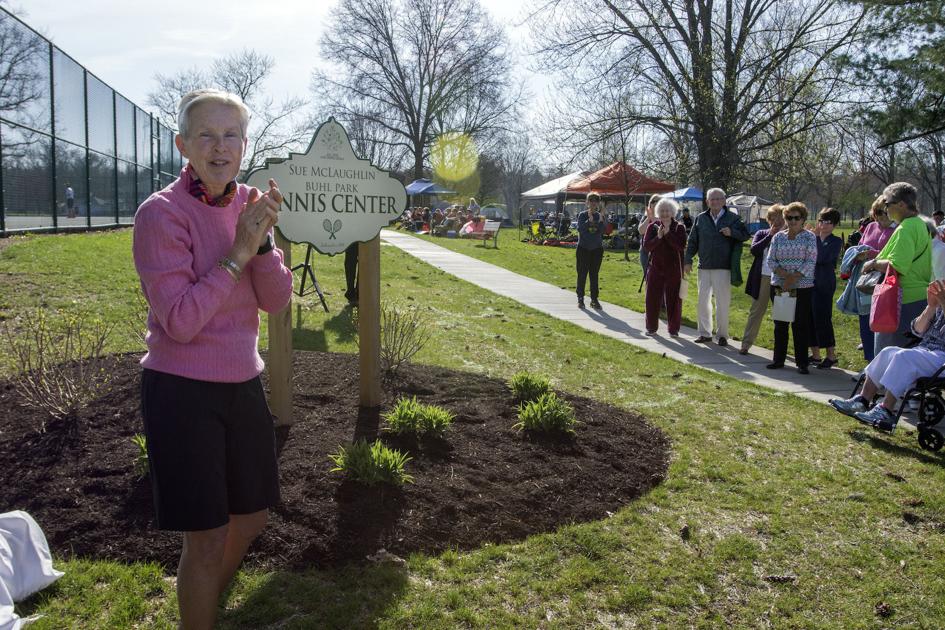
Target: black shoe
<point>703,339</point>
<point>596,304</point>
<point>580,302</point>
<point>774,366</point>
<point>826,364</point>
<point>723,341</point>
<point>802,369</point>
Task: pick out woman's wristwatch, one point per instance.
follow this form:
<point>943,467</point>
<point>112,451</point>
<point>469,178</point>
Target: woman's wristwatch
<point>230,267</point>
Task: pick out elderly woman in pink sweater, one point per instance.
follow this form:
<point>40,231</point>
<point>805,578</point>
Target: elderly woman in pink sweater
<point>203,251</point>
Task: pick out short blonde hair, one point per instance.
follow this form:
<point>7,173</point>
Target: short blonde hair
<point>878,204</point>
<point>209,95</point>
<point>774,210</point>
<point>795,205</point>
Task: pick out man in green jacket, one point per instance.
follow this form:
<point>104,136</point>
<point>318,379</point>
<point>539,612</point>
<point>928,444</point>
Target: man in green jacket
<point>713,235</point>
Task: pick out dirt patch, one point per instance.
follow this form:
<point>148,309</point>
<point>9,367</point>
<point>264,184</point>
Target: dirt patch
<point>484,483</point>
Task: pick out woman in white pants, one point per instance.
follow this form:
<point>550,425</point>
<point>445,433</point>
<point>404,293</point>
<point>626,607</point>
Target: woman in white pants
<point>897,368</point>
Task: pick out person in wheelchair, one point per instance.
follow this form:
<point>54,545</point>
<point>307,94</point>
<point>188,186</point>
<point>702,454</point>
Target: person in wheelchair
<point>897,368</point>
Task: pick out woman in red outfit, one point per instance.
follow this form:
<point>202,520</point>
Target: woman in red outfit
<point>664,241</point>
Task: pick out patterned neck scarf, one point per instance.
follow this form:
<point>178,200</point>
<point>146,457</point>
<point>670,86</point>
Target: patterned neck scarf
<point>200,191</point>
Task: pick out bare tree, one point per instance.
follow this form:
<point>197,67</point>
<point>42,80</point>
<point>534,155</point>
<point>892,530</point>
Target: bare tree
<point>416,69</point>
<point>275,128</point>
<point>706,70</point>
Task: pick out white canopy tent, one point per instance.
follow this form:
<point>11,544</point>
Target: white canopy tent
<point>751,208</point>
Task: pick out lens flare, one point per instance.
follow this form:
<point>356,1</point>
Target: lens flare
<point>454,156</point>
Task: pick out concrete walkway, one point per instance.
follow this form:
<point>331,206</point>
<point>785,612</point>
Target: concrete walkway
<point>628,326</point>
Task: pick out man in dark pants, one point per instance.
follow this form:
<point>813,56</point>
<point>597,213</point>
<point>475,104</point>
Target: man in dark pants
<point>590,249</point>
<point>351,274</point>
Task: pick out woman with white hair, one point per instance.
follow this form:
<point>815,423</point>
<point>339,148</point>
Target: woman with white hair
<point>204,253</point>
<point>664,241</point>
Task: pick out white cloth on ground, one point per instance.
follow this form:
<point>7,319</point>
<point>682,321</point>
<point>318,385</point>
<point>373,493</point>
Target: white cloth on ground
<point>897,368</point>
<point>25,564</point>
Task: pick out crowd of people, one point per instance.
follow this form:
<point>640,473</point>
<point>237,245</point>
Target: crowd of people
<point>456,220</point>
<point>794,271</point>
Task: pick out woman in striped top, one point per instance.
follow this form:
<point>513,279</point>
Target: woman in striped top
<point>792,258</point>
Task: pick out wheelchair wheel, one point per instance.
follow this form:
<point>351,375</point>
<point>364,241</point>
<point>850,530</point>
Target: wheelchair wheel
<point>931,439</point>
<point>931,409</point>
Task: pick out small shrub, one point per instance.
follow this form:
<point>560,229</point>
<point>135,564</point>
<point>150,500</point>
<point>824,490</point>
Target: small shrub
<point>435,420</point>
<point>372,463</point>
<point>404,417</point>
<point>404,332</point>
<point>528,387</point>
<point>409,416</point>
<point>547,414</point>
<point>136,325</point>
<point>141,459</point>
<point>58,368</point>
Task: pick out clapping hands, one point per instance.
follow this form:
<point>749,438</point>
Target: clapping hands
<point>936,294</point>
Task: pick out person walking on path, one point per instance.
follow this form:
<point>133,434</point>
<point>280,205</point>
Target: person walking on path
<point>203,250</point>
<point>758,285</point>
<point>664,241</point>
<point>713,235</point>
<point>909,252</point>
<point>70,201</point>
<point>825,285</point>
<point>590,249</point>
<point>792,258</point>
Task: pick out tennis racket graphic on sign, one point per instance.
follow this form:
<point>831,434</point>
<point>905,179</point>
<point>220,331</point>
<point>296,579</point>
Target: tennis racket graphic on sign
<point>332,229</point>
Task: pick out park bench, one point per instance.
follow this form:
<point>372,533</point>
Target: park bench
<point>489,231</point>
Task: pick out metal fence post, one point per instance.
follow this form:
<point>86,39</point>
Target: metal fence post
<point>52,134</point>
<point>115,151</point>
<point>88,154</point>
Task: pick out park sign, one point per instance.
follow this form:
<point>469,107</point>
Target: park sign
<point>330,197</point>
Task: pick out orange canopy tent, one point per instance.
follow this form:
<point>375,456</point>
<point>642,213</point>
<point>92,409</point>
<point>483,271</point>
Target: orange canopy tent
<point>617,180</point>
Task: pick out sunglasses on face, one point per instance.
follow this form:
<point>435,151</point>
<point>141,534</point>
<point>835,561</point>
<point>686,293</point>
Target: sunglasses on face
<point>793,217</point>
<point>889,203</point>
<point>880,213</point>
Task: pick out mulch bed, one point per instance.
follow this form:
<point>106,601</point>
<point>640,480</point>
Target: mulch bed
<point>484,483</point>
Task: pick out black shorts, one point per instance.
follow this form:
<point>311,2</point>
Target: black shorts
<point>211,450</point>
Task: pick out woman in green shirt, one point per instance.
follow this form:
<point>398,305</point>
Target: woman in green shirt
<point>909,251</point>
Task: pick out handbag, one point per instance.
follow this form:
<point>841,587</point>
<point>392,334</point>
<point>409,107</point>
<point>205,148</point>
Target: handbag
<point>887,304</point>
<point>784,307</point>
<point>867,282</point>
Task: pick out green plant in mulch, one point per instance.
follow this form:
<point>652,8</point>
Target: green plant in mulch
<point>527,387</point>
<point>141,459</point>
<point>546,414</point>
<point>408,416</point>
<point>372,463</point>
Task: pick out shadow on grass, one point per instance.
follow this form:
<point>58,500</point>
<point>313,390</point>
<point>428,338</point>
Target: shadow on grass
<point>342,325</point>
<point>348,598</point>
<point>876,440</point>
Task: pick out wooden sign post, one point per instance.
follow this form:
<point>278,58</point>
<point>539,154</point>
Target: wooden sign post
<point>280,352</point>
<point>369,321</point>
<point>332,199</point>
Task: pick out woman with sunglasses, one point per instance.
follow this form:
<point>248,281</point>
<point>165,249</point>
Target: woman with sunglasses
<point>909,252</point>
<point>792,257</point>
<point>875,236</point>
<point>825,285</point>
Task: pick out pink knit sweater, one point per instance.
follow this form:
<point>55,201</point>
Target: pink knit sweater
<point>201,324</point>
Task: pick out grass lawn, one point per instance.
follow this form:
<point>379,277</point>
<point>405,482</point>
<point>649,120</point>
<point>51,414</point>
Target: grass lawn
<point>777,512</point>
<point>620,283</point>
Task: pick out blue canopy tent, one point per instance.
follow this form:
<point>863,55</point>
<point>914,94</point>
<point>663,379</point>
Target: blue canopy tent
<point>689,193</point>
<point>427,187</point>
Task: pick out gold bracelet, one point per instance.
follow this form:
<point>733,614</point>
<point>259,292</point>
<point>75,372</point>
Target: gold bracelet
<point>231,268</point>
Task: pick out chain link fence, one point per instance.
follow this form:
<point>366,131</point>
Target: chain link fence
<point>74,153</point>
